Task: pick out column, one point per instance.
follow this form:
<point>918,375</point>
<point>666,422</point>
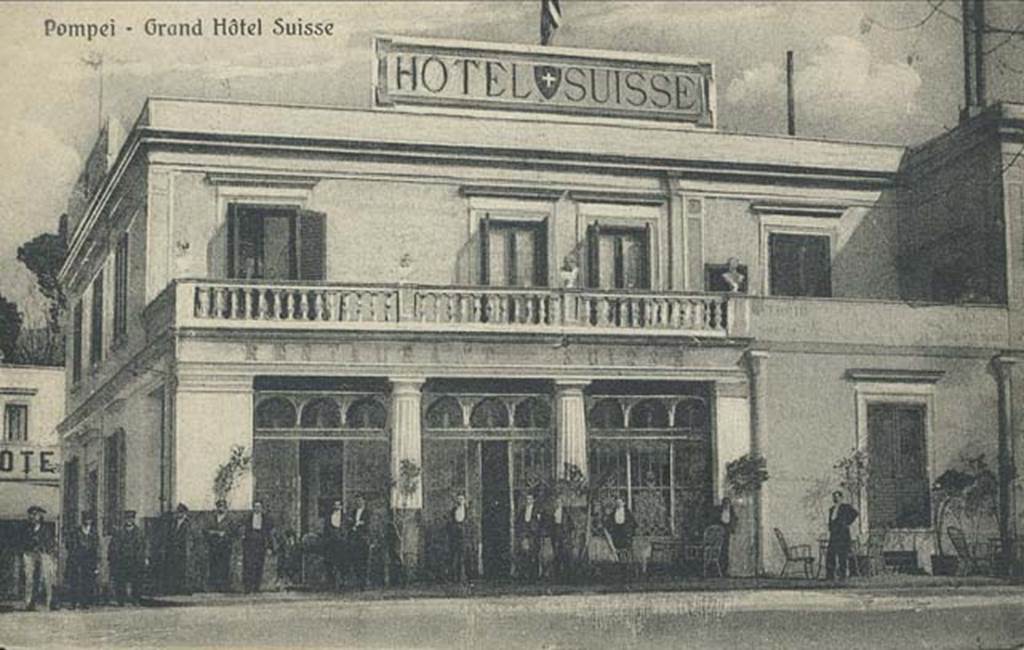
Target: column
<point>758,363</point>
<point>406,441</point>
<point>1003,366</point>
<point>571,422</point>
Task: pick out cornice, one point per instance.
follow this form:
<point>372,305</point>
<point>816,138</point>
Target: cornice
<point>895,376</point>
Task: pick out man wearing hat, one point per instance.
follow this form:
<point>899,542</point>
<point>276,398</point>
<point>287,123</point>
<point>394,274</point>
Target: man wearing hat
<point>83,561</point>
<point>257,539</point>
<point>219,538</point>
<point>127,559</point>
<point>37,548</point>
<point>176,552</point>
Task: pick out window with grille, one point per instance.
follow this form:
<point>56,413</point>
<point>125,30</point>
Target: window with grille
<point>16,422</point>
<point>897,488</point>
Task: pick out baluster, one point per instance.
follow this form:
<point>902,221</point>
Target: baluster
<point>318,305</point>
<point>554,304</point>
<point>389,307</point>
<point>716,318</point>
<point>242,308</point>
<point>542,309</point>
<point>202,306</point>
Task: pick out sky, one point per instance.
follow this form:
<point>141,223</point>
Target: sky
<point>865,71</point>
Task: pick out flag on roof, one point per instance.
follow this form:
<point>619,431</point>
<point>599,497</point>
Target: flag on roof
<point>550,19</point>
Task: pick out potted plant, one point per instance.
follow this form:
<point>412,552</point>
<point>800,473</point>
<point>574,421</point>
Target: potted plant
<point>964,495</point>
<point>404,541</point>
<point>745,476</point>
<point>230,473</point>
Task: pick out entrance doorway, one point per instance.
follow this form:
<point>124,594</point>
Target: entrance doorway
<point>321,466</point>
<point>496,517</point>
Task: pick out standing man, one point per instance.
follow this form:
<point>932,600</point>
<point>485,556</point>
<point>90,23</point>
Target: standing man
<point>458,536</point>
<point>128,559</point>
<point>359,540</point>
<point>334,545</point>
<point>177,551</point>
<point>840,516</point>
<point>218,546</point>
<point>725,517</point>
<point>560,530</point>
<point>528,537</point>
<point>37,549</point>
<point>83,561</point>
<point>256,540</point>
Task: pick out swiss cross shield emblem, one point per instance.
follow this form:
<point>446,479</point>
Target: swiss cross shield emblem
<point>547,78</point>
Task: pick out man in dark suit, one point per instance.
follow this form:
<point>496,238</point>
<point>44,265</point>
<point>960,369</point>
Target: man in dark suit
<point>457,528</point>
<point>334,545</point>
<point>256,539</point>
<point>560,529</point>
<point>359,540</point>
<point>176,551</point>
<point>127,559</point>
<point>725,516</point>
<point>528,527</point>
<point>219,538</point>
<point>38,549</point>
<point>840,516</point>
<point>83,561</point>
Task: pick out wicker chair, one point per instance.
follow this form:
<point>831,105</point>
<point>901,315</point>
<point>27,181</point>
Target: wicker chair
<point>714,536</point>
<point>795,554</point>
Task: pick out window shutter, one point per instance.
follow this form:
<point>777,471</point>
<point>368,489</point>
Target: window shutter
<point>594,255</point>
<point>647,259</point>
<point>540,255</point>
<point>485,252</point>
<point>312,245</point>
<point>233,270</point>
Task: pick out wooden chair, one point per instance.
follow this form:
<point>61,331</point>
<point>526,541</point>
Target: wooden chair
<point>796,554</point>
<point>967,562</point>
<point>714,537</point>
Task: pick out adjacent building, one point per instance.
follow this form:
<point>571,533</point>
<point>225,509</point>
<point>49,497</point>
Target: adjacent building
<point>525,260</point>
<point>31,400</point>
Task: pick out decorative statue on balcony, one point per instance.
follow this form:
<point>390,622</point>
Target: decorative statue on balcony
<point>733,276</point>
<point>570,272</point>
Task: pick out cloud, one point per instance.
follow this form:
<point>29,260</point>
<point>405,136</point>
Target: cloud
<point>843,92</point>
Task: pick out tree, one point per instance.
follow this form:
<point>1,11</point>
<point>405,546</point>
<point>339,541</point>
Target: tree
<point>745,476</point>
<point>44,256</point>
<point>10,330</point>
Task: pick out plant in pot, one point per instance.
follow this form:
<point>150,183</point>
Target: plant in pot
<point>403,541</point>
<point>965,495</point>
<point>745,476</point>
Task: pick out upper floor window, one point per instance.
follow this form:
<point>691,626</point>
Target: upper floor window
<point>96,321</point>
<point>275,242</point>
<point>799,265</point>
<point>897,487</point>
<point>619,257</point>
<point>16,422</point>
<point>76,342</point>
<point>513,253</point>
<point>121,287</point>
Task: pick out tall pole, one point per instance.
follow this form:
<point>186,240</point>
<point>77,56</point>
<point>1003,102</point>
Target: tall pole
<point>790,100</point>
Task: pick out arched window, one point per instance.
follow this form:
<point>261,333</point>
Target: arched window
<point>607,414</point>
<point>648,414</point>
<point>367,413</point>
<point>489,414</point>
<point>321,413</point>
<point>691,415</point>
<point>532,413</point>
<point>275,413</point>
<point>445,413</point>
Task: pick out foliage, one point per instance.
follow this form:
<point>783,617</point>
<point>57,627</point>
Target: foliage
<point>408,477</point>
<point>40,346</point>
<point>43,256</point>
<point>853,472</point>
<point>230,472</point>
<point>10,330</point>
<point>746,474</point>
<point>966,492</point>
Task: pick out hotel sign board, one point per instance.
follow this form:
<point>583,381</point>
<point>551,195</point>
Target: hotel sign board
<point>463,76</point>
<point>22,462</point>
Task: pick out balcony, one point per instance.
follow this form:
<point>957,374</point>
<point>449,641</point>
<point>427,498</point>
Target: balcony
<point>246,305</point>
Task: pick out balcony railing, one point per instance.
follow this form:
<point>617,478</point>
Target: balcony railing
<point>201,303</point>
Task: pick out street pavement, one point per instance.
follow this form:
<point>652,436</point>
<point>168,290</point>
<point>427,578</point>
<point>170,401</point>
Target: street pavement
<point>958,618</point>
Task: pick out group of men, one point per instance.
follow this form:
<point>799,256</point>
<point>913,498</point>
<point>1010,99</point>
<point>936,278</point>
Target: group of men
<point>346,543</point>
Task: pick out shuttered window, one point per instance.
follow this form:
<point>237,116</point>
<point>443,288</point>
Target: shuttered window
<point>96,321</point>
<point>76,342</point>
<point>898,494</point>
<point>121,287</point>
<point>618,258</point>
<point>276,243</point>
<point>513,253</point>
